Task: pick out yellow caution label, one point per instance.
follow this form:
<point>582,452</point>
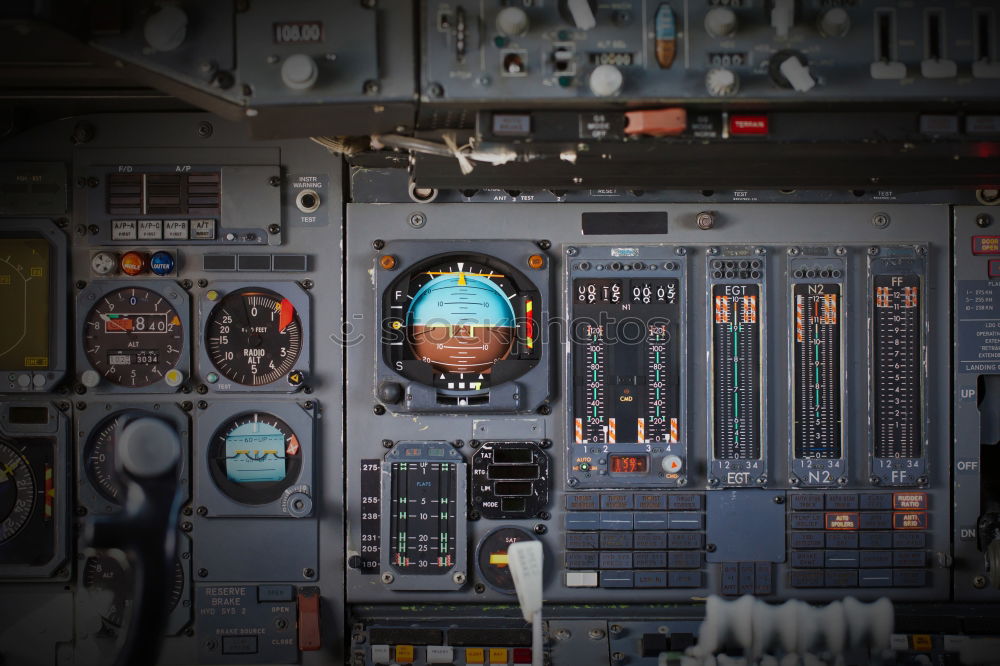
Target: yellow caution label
<point>404,654</point>
<point>474,656</point>
<point>922,642</point>
<point>498,655</point>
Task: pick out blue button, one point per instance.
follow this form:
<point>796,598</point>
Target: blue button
<point>684,521</point>
<point>161,263</point>
<point>876,559</point>
<point>841,559</point>
<point>650,560</point>
<point>616,520</point>
<point>616,579</point>
<point>612,560</point>
<point>684,579</point>
<point>650,578</point>
<point>650,540</point>
<point>651,521</point>
<point>875,578</point>
<point>585,520</point>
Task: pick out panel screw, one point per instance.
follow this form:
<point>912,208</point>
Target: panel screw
<point>711,547</point>
<point>760,251</point>
<point>713,482</point>
<point>880,220</point>
<point>544,410</point>
<point>387,578</point>
<point>713,251</point>
<point>459,578</point>
<point>544,515</point>
<point>371,87</point>
<point>187,511</point>
<point>273,229</point>
<point>474,515</point>
<point>920,250</point>
<point>186,526</point>
<point>202,404</point>
<point>979,582</point>
<point>571,251</point>
<point>544,244</point>
<point>841,251</point>
<point>563,635</point>
<point>793,251</point>
<point>202,573</point>
<point>778,499</point>
<point>458,444</point>
<point>680,251</point>
<point>874,480</point>
<point>596,634</point>
<point>202,389</point>
<point>378,244</point>
<point>379,410</point>
<point>308,572</point>
<point>615,629</point>
<point>435,90</point>
<point>274,181</point>
<point>205,129</point>
<point>306,284</point>
<point>705,220</point>
<point>202,511</point>
<point>386,443</point>
<point>480,588</point>
<point>873,251</point>
<point>983,220</point>
<point>573,482</point>
<point>417,220</point>
<point>545,443</point>
<point>81,511</point>
<point>83,133</point>
<point>540,529</point>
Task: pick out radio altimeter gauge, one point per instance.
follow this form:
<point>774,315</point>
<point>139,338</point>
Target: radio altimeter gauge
<point>461,324</point>
<point>254,458</point>
<point>133,337</point>
<point>254,336</point>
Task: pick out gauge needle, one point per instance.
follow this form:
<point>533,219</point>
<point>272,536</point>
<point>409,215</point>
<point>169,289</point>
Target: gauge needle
<point>7,473</point>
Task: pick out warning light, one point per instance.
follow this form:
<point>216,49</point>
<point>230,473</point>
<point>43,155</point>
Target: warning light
<point>387,262</point>
<point>536,262</point>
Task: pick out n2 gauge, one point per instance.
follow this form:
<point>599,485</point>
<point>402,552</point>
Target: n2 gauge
<point>255,338</point>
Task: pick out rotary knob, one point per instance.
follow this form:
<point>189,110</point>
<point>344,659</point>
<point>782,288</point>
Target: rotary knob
<point>512,21</point>
<point>720,22</point>
<point>835,22</point>
<point>722,82</point>
<point>606,80</point>
<point>166,29</point>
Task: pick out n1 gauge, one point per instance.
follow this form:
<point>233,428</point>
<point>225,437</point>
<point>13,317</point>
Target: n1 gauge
<point>255,337</point>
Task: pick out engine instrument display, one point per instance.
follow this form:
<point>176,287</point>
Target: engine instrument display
<point>461,323</point>
<point>25,293</point>
<point>254,457</point>
<point>897,366</point>
<point>133,337</point>
<point>817,373</point>
<point>254,336</point>
<point>736,366</point>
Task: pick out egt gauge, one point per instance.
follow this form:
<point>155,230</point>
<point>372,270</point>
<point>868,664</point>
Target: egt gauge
<point>459,325</point>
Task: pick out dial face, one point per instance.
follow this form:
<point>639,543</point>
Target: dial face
<point>491,558</point>
<point>254,458</point>
<point>103,263</point>
<point>461,323</point>
<point>133,336</point>
<point>104,575</point>
<point>17,491</point>
<point>99,455</point>
<point>254,336</point>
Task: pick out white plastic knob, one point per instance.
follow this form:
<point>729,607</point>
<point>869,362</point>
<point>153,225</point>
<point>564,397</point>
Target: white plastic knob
<point>835,22</point>
<point>512,21</point>
<point>720,22</point>
<point>166,29</point>
<point>721,82</point>
<point>299,72</point>
<point>583,15</point>
<point>783,17</point>
<point>606,80</point>
<point>672,463</point>
<point>797,74</point>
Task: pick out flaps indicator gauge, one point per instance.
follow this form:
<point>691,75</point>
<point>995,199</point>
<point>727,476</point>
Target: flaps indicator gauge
<point>254,458</point>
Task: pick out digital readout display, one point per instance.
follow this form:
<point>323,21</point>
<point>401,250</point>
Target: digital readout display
<point>622,464</point>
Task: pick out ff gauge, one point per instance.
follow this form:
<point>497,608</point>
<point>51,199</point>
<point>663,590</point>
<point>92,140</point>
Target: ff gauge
<point>133,337</point>
<point>254,338</point>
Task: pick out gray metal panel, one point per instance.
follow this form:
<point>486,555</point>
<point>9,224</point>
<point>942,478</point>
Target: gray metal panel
<point>745,524</point>
<point>776,226</point>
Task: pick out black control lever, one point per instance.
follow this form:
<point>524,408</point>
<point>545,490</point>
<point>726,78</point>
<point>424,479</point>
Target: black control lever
<point>148,457</point>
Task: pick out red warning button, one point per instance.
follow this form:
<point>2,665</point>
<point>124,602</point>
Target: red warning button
<point>912,501</point>
<point>909,520</point>
<point>986,245</point>
<point>748,125</point>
